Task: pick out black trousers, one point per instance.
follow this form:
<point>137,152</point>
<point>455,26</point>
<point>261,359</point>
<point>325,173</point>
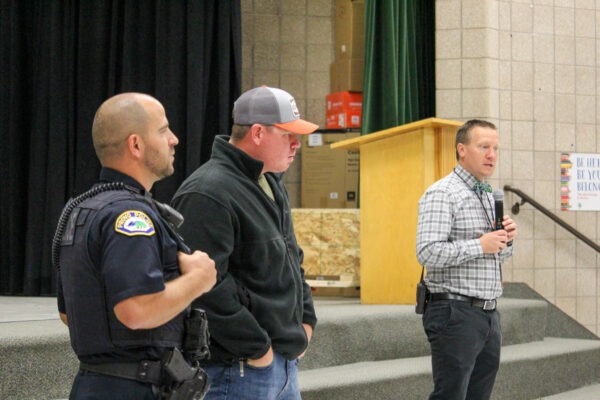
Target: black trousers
<point>465,349</point>
<point>91,386</point>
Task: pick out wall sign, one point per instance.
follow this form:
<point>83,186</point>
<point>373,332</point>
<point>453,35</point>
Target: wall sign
<point>579,182</point>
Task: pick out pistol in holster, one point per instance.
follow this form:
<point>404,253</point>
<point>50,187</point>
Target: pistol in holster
<point>180,380</point>
<point>183,378</point>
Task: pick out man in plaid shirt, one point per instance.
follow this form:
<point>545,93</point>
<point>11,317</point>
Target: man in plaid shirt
<point>463,252</point>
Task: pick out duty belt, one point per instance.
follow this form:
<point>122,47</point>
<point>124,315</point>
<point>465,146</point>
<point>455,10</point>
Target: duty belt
<point>487,305</point>
<point>142,371</point>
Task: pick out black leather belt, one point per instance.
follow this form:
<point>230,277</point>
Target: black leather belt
<point>487,305</point>
<point>142,371</point>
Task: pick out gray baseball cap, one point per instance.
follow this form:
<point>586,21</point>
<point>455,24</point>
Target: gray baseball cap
<point>270,106</point>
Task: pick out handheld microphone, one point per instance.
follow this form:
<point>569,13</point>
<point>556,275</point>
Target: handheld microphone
<point>499,209</point>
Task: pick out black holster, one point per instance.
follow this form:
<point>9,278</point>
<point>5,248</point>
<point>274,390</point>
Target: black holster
<point>422,295</point>
<point>183,379</point>
<point>422,298</point>
<point>180,381</point>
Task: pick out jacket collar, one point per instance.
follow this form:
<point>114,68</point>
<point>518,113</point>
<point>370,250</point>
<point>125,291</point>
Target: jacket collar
<point>224,151</point>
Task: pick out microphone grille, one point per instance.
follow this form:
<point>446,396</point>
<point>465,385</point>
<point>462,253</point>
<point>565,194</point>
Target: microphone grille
<point>498,195</point>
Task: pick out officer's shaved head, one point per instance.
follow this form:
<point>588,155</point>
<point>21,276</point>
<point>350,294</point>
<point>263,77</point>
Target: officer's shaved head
<point>116,119</point>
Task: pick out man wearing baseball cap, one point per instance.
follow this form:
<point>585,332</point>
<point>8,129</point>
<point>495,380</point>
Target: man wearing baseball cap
<point>260,312</point>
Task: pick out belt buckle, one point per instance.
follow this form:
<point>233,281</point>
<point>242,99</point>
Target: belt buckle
<point>489,305</point>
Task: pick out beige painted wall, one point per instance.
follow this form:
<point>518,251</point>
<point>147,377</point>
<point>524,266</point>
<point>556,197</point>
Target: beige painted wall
<point>530,66</point>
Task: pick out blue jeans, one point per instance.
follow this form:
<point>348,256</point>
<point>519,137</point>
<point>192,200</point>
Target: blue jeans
<point>465,349</point>
<point>278,381</point>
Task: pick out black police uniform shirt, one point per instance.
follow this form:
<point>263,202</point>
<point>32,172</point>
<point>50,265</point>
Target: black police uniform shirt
<point>131,248</point>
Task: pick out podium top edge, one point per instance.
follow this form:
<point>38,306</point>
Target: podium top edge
<point>356,142</point>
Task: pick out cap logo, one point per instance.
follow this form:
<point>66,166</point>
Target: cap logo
<point>294,108</point>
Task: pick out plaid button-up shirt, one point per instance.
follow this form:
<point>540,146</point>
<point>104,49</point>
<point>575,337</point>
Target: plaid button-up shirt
<point>452,217</point>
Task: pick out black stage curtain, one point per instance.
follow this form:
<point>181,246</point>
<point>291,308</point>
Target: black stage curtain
<point>58,61</point>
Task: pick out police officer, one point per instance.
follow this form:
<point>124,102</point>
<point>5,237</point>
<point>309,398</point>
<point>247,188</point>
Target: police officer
<point>125,279</point>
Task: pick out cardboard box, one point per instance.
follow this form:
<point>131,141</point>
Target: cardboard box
<point>344,110</point>
<point>349,29</point>
<point>347,75</point>
<point>329,176</point>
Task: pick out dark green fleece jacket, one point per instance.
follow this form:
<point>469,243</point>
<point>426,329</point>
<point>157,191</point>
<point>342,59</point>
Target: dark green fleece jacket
<point>261,298</point>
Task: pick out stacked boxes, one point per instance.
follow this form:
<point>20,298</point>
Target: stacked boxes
<point>329,177</point>
<point>344,104</point>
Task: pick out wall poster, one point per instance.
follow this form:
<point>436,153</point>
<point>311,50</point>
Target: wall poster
<point>579,182</point>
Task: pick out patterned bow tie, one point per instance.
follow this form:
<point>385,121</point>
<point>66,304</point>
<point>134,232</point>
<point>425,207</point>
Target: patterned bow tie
<point>481,187</point>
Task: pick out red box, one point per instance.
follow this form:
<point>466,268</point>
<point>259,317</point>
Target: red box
<point>344,110</point>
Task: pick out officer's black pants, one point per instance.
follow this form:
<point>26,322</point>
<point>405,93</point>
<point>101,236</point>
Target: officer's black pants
<point>91,386</point>
<point>465,349</point>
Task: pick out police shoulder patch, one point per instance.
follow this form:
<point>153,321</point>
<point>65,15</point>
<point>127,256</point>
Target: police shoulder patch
<point>134,223</point>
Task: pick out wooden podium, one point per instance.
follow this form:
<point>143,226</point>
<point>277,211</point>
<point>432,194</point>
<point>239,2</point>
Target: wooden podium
<point>396,166</point>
